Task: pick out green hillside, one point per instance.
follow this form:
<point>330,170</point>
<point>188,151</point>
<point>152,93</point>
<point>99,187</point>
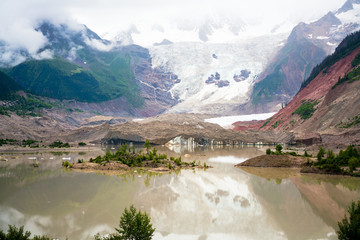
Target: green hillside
<point>7,86</point>
<point>114,73</point>
<point>295,58</point>
<point>58,78</point>
<point>107,76</point>
<point>349,44</point>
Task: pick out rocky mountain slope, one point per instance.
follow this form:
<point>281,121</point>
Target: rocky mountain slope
<point>307,46</point>
<point>326,110</point>
<point>76,64</point>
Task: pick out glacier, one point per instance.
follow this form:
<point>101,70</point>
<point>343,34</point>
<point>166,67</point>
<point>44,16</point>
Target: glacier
<point>194,62</point>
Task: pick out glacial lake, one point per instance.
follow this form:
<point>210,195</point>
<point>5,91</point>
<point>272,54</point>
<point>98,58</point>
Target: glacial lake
<point>223,202</point>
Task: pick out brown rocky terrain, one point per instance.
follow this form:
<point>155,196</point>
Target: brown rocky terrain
<point>188,129</point>
<point>286,161</point>
<point>334,108</point>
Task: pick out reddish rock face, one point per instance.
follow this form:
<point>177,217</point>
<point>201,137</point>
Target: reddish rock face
<point>319,89</point>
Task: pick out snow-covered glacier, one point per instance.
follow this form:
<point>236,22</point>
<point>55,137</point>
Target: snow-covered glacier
<point>196,62</point>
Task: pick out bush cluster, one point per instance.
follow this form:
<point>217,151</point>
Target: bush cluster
<point>332,163</point>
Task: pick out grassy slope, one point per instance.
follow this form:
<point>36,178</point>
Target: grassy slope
<point>7,86</point>
<point>106,76</point>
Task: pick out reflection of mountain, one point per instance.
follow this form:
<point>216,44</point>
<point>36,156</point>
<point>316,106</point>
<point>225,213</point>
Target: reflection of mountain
<point>329,197</point>
<point>304,201</point>
<point>285,207</point>
<point>62,204</point>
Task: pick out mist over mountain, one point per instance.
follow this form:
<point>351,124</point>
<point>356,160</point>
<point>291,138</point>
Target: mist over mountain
<point>219,62</point>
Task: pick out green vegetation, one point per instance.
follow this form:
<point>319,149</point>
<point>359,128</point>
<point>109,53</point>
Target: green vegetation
<point>337,164</point>
<point>134,225</point>
<point>266,123</point>
<point>129,157</point>
<point>275,125</point>
<point>277,82</point>
<point>352,76</point>
<point>265,89</point>
<point>8,141</point>
<point>58,78</point>
<point>306,109</point>
<point>349,44</point>
<point>81,144</point>
<point>152,159</point>
<point>15,233</point>
<point>29,106</point>
<point>278,151</point>
<point>8,86</point>
<point>147,145</point>
<point>59,144</point>
<point>349,228</point>
<point>278,148</point>
<point>108,75</point>
<point>67,164</point>
<point>356,60</point>
<point>351,122</point>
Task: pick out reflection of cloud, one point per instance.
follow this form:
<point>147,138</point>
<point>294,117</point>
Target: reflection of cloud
<point>227,159</point>
<point>220,206</point>
<point>91,232</point>
<point>38,225</point>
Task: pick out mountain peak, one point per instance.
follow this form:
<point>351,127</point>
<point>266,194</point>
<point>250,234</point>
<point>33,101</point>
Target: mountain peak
<point>348,5</point>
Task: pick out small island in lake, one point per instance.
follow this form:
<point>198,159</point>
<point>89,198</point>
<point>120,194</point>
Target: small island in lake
<point>345,163</point>
<point>126,158</point>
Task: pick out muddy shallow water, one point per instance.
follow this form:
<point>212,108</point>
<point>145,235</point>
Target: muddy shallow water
<point>223,202</point>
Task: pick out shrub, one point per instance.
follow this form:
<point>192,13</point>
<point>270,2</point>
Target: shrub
<point>353,163</point>
<point>306,109</point>
<point>320,154</point>
<point>306,154</point>
<point>349,228</point>
<point>134,225</point>
<point>66,164</point>
<point>82,144</point>
<point>268,151</point>
<point>278,148</point>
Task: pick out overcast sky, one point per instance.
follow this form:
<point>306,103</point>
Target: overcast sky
<point>112,16</point>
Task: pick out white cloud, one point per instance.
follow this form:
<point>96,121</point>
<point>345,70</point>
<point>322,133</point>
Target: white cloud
<point>18,17</point>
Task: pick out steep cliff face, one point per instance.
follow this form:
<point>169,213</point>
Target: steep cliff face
<point>307,45</point>
<point>327,109</point>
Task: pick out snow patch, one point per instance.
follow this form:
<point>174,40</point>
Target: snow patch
<point>228,159</point>
<point>322,37</point>
<point>226,122</point>
<point>331,44</point>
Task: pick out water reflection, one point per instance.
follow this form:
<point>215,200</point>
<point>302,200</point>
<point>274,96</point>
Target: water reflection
<point>220,203</point>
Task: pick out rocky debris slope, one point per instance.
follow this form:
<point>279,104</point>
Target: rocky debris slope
<point>187,129</point>
<point>307,45</point>
<point>323,112</point>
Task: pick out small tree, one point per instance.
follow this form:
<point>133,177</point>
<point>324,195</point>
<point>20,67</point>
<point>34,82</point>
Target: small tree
<point>134,225</point>
<point>147,145</point>
<point>320,154</point>
<point>353,163</point>
<point>278,148</point>
<point>330,154</point>
<point>349,229</point>
<point>268,151</point>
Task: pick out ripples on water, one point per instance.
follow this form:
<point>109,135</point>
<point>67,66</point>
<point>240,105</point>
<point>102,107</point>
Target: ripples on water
<point>220,203</point>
